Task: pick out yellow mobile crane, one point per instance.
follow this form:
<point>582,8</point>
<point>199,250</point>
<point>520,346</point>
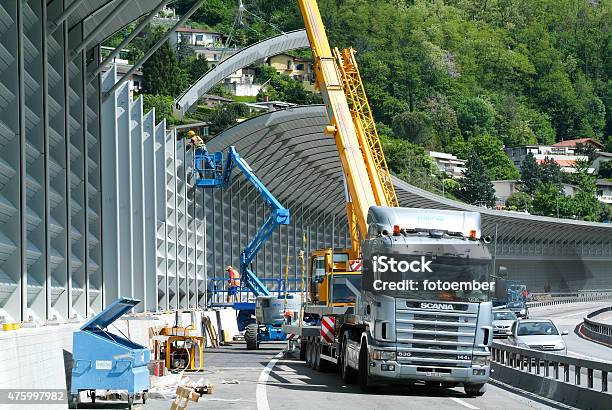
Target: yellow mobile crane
<point>369,323</point>
<point>366,174</point>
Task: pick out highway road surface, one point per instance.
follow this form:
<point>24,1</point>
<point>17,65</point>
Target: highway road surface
<point>568,317</point>
<point>268,379</point>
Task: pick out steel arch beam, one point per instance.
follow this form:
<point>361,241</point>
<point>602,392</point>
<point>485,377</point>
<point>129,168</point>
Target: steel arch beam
<point>258,51</point>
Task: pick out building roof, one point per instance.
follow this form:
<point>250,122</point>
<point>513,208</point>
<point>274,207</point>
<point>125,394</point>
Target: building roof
<point>560,162</point>
<point>572,143</point>
<point>195,30</point>
<point>603,182</point>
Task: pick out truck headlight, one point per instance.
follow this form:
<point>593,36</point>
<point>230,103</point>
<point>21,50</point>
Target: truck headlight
<point>383,355</point>
<point>480,360</point>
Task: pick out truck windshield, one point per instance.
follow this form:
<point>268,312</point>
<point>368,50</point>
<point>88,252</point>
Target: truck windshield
<point>344,287</point>
<point>429,277</point>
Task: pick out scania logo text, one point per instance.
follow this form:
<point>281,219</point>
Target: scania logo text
<point>437,306</point>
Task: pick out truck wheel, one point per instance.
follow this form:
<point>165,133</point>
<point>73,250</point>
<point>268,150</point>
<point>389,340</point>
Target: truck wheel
<point>349,375</point>
<point>250,336</point>
<point>308,354</point>
<point>316,355</point>
<point>472,390</point>
<point>364,371</point>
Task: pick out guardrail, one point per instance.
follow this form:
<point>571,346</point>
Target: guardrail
<point>551,375</point>
<point>599,331</point>
<point>550,299</point>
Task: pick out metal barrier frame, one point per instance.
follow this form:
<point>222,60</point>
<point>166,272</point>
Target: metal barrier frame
<point>563,298</point>
<point>548,375</point>
<point>601,332</point>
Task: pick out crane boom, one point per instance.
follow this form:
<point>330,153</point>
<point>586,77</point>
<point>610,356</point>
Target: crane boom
<point>365,170</point>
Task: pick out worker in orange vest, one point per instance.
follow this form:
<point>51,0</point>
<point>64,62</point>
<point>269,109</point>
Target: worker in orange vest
<point>200,150</point>
<point>233,282</point>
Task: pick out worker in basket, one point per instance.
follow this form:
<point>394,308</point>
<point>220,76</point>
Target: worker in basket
<point>233,283</point>
<point>200,151</point>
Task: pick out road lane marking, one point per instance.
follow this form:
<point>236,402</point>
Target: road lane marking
<point>261,395</point>
<point>577,314</point>
<point>588,357</point>
<point>464,404</point>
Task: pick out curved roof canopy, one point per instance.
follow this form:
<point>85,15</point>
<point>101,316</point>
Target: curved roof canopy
<point>298,162</point>
<point>92,13</point>
<point>247,56</point>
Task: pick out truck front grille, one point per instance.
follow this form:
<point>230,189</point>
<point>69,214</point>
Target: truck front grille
<point>434,338</point>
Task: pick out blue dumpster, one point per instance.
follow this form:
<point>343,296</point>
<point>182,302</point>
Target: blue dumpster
<point>107,361</point>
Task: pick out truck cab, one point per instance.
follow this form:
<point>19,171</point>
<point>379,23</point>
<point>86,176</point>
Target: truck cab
<point>425,310</point>
<point>336,285</point>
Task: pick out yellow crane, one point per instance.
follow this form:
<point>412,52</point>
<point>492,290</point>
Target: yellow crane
<point>366,174</point>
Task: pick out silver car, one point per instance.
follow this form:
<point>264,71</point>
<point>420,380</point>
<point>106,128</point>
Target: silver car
<point>502,321</point>
<point>537,334</point>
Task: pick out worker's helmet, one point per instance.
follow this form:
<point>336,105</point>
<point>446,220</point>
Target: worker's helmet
<point>191,133</point>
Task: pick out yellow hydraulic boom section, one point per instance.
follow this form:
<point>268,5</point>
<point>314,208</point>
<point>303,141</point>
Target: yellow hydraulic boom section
<point>365,124</point>
<point>365,170</point>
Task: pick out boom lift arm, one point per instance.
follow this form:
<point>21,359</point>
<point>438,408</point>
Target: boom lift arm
<point>221,177</point>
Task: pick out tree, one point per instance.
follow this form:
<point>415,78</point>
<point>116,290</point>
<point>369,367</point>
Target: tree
<point>162,74</point>
<point>476,186</point>
<point>548,199</point>
<point>443,119</point>
<point>415,127</point>
<point>608,145</point>
<point>490,151</point>
<point>530,174</point>
<point>283,88</point>
<point>519,201</point>
<point>587,150</point>
<point>408,161</point>
<point>605,169</point>
<point>163,105</point>
<point>475,116</point>
<point>197,67</point>
<point>550,172</point>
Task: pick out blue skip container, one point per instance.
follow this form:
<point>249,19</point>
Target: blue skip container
<point>106,361</point>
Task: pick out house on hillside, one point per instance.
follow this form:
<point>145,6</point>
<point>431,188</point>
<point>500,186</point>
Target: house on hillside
<point>506,187</point>
<point>604,191</point>
<point>583,141</point>
<point>448,163</point>
<point>565,156</point>
<point>205,43</point>
<point>300,69</point>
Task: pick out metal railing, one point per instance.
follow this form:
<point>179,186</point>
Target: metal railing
<point>555,376</point>
<point>599,331</point>
<point>549,299</point>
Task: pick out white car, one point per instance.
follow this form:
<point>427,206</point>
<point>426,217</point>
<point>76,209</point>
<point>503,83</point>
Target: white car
<point>502,321</point>
<point>537,334</point>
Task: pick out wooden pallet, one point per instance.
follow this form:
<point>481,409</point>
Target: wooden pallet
<point>183,396</point>
<point>214,341</point>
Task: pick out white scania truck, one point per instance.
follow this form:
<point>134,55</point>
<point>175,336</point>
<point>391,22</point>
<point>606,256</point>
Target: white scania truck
<point>419,310</point>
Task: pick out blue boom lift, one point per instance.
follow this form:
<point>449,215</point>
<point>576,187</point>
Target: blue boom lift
<point>212,171</point>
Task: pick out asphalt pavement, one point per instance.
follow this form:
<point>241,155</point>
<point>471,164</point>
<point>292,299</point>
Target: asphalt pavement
<point>267,379</point>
